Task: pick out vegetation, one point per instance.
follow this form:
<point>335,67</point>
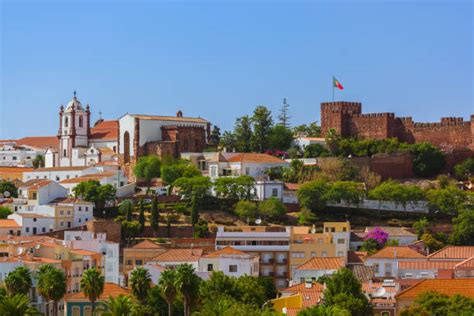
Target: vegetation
<point>38,162</point>
<point>51,284</point>
<point>171,170</point>
<point>19,281</point>
<point>147,168</point>
<point>434,303</point>
<point>272,208</point>
<point>396,192</point>
<point>121,306</point>
<point>4,212</point>
<point>428,160</point>
<point>140,283</point>
<point>9,187</point>
<point>92,284</point>
<point>239,188</point>
<point>246,210</point>
<point>155,215</point>
<point>464,170</point>
<point>16,305</point>
<point>463,229</point>
<point>126,209</point>
<point>93,191</point>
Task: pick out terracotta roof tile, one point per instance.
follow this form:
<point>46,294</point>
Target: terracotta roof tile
<point>8,223</point>
<point>92,176</point>
<point>42,142</point>
<point>69,200</point>
<point>453,252</point>
<point>110,290</point>
<point>75,168</point>
<point>301,287</point>
<point>322,263</point>
<point>37,184</point>
<point>356,257</point>
<point>466,264</point>
<point>105,130</point>
<point>226,251</point>
<point>147,244</point>
<point>254,158</point>
<point>397,252</point>
<point>178,255</point>
<point>448,287</point>
<point>292,186</point>
<point>170,118</point>
<point>426,265</point>
<point>15,169</point>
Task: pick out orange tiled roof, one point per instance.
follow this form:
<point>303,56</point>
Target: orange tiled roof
<point>170,118</point>
<point>254,158</point>
<point>397,252</point>
<point>392,231</point>
<point>225,251</point>
<point>147,244</point>
<point>110,290</point>
<point>75,168</point>
<point>426,265</point>
<point>43,142</point>
<point>466,264</point>
<point>453,252</point>
<point>178,255</point>
<point>15,169</point>
<point>8,223</point>
<point>322,263</point>
<point>356,257</point>
<point>92,176</point>
<point>105,130</point>
<point>37,184</point>
<point>311,296</point>
<point>371,287</point>
<point>448,287</point>
<point>68,200</point>
<point>292,186</point>
<point>84,252</point>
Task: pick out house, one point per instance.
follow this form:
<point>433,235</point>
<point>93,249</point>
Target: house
<point>317,267</point>
<point>448,287</point>
<point>341,234</point>
<point>59,174</point>
<point>303,141</point>
<point>139,254</point>
<point>465,269</point>
<point>115,178</point>
<point>427,269</point>
<point>297,297</point>
<point>452,253</point>
<point>231,261</point>
<point>399,234</point>
<point>356,240</point>
<point>13,173</point>
<point>78,304</point>
<point>270,243</point>
<point>38,192</point>
<point>385,261</point>
<point>9,227</point>
<point>172,258</point>
<point>289,193</point>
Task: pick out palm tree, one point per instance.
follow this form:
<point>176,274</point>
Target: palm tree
<point>168,288</point>
<point>16,305</point>
<point>18,281</point>
<point>187,284</point>
<point>140,281</point>
<point>92,284</point>
<point>120,306</point>
<point>51,285</point>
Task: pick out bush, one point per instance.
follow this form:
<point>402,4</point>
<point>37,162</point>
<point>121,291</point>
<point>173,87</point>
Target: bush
<point>428,160</point>
<point>464,170</point>
<point>4,212</point>
<point>272,208</point>
<point>246,209</point>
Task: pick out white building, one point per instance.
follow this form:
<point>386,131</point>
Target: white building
<point>317,267</point>
<point>59,173</point>
<point>32,224</point>
<point>87,240</point>
<point>385,261</point>
<point>231,262</point>
<point>79,142</point>
<point>12,155</point>
<point>175,257</point>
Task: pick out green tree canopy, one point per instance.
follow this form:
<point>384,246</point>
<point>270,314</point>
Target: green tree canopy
<point>38,162</point>
<point>399,193</point>
<point>448,200</point>
<point>140,283</point>
<point>176,169</point>
<point>187,285</point>
<point>8,186</point>
<point>262,125</point>
<point>126,209</point>
<point>4,212</point>
<point>51,284</point>
<point>93,191</point>
<point>345,191</point>
<point>315,150</point>
<point>313,195</point>
<point>17,305</point>
<point>246,209</point>
<point>435,303</point>
<point>243,134</point>
<point>147,168</point>
<point>272,208</point>
<point>428,160</point>
<point>464,170</point>
<point>122,305</point>
<point>280,138</point>
<point>168,289</point>
<point>19,281</point>
<point>238,188</point>
<point>92,285</point>
<point>463,228</point>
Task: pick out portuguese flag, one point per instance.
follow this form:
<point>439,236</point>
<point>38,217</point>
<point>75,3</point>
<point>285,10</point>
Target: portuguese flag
<point>337,84</point>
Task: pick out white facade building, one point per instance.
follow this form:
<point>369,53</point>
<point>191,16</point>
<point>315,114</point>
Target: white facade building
<point>385,261</point>
<point>12,155</point>
<point>231,262</point>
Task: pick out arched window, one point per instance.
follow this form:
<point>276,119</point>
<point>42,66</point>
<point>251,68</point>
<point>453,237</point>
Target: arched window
<point>66,121</point>
<point>80,121</point>
<point>126,147</point>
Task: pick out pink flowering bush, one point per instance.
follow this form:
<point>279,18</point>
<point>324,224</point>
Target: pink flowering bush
<point>378,235</point>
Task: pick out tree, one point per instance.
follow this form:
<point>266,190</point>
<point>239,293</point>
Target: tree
<point>294,173</point>
<point>228,141</point>
<point>168,288</point>
<point>126,209</point>
<point>312,195</point>
<point>420,226</point>
<point>448,200</point>
<point>311,130</point>
<point>93,191</point>
<point>464,170</point>
<point>272,208</point>
<point>141,216</point>
<point>345,291</point>
<point>284,117</point>
<point>187,285</point>
<point>370,245</point>
<point>176,169</point>
<point>215,135</point>
<point>147,168</point>
<point>38,162</point>
<point>399,193</point>
<point>246,210</point>
<point>428,160</point>
<point>9,187</point>
<point>238,188</point>
<point>431,242</point>
<point>92,285</point>
<point>140,283</point>
<point>345,191</point>
<point>130,230</point>
<point>218,286</point>
<point>250,290</point>
<point>243,134</point>
<point>18,281</point>
<point>155,215</point>
<point>435,303</point>
<point>51,284</point>
<point>306,217</point>
<point>4,212</point>
<point>375,240</point>
<point>158,305</point>
<point>280,138</point>
<point>121,305</point>
<point>17,305</point>
<point>201,229</point>
<point>262,123</point>
<point>463,228</point>
<point>315,150</point>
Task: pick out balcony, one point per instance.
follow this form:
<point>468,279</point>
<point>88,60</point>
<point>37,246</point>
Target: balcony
<point>283,261</point>
<point>268,261</point>
<point>282,274</point>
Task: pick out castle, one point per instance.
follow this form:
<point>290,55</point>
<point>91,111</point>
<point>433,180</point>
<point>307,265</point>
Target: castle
<point>346,118</point>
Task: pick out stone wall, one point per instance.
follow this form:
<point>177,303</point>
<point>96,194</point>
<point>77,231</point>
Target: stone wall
<point>111,228</point>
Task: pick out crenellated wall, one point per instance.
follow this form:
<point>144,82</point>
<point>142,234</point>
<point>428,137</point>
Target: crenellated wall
<point>451,133</point>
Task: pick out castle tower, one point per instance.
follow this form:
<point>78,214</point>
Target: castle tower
<point>74,130</point>
<point>334,115</point>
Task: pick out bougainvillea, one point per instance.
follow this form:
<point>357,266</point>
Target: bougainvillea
<point>378,235</point>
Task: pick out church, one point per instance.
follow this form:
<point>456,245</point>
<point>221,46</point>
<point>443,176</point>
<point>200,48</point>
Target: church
<point>81,144</point>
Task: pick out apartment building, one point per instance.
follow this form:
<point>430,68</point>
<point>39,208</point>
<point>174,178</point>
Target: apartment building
<point>271,244</point>
<point>139,254</point>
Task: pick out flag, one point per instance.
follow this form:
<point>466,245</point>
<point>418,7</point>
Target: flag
<point>337,84</point>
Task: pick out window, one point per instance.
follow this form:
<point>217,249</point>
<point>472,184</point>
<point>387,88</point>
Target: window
<point>14,157</point>
<point>34,195</point>
<point>138,262</point>
<point>344,229</point>
<point>233,268</point>
<point>129,262</point>
<point>80,208</point>
<point>66,121</point>
<point>388,269</point>
<point>274,192</point>
<point>61,224</point>
<point>341,241</point>
<point>297,254</point>
<point>376,267</point>
<point>324,253</point>
<point>340,254</point>
<point>210,267</point>
<point>313,254</point>
<point>68,212</point>
<point>80,121</point>
<point>43,230</point>
<point>61,212</point>
<point>27,229</point>
<point>320,241</point>
<point>64,153</point>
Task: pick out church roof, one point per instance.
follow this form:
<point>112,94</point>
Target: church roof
<point>170,118</point>
<point>74,103</point>
<point>105,130</point>
<point>42,142</point>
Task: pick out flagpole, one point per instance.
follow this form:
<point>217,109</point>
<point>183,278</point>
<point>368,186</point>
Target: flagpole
<point>333,89</point>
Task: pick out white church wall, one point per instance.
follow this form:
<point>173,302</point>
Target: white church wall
<point>127,124</point>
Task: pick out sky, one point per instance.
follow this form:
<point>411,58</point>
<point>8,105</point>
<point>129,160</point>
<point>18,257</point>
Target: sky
<point>220,59</point>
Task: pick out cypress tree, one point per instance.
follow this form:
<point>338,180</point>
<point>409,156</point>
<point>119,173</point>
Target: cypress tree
<point>155,216</point>
<point>141,217</point>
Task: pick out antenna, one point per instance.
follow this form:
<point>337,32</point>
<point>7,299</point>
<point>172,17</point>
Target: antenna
<point>258,221</point>
<point>20,250</point>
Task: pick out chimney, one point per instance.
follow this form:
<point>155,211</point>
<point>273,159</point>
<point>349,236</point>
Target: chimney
<point>179,114</point>
<point>308,284</point>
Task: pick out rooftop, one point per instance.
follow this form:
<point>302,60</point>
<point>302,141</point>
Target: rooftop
<point>105,130</point>
<point>170,118</point>
<point>254,158</point>
<point>76,168</point>
<point>110,290</point>
<point>226,251</point>
<point>453,252</point>
<point>322,263</point>
<point>426,265</point>
<point>448,287</point>
<point>147,244</point>
<point>396,252</point>
<point>8,223</point>
<point>179,255</point>
<point>466,264</point>
<point>392,231</point>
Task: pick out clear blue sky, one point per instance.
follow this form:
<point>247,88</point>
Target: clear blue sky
<point>219,59</point>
